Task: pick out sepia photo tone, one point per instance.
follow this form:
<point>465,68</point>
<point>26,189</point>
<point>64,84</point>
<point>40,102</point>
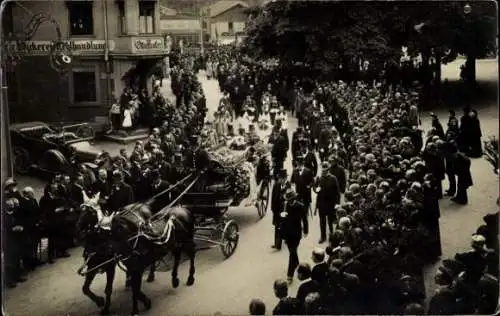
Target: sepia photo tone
<point>204,157</point>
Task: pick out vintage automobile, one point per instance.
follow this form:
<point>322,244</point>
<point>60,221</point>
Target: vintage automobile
<point>51,148</point>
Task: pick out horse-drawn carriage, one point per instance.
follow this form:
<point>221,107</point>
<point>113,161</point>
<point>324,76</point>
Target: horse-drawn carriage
<point>135,239</point>
<point>229,181</point>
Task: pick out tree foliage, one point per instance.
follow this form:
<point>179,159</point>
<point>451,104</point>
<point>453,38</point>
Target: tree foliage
<point>336,31</point>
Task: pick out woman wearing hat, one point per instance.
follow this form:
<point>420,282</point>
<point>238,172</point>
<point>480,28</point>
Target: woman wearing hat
<point>291,228</point>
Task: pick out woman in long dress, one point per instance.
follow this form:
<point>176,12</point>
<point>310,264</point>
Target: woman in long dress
<point>127,119</point>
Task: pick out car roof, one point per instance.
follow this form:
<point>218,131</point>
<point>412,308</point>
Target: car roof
<point>21,126</point>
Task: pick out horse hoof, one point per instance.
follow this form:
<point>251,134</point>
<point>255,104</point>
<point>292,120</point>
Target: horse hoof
<point>105,311</point>
<point>150,278</point>
<point>190,281</point>
<point>100,302</point>
<point>175,282</point>
<point>147,304</point>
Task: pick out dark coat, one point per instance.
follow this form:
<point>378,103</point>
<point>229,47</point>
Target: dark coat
<point>306,288</point>
<point>104,188</point>
<point>339,173</point>
<point>329,194</point>
<point>162,200</point>
<point>120,197</point>
<point>287,306</point>
<point>277,201</point>
<point>462,170</point>
<point>291,227</point>
<point>303,183</point>
<point>311,162</point>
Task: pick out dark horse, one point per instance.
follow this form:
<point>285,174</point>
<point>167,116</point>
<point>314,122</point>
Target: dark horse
<point>94,231</point>
<point>140,240</point>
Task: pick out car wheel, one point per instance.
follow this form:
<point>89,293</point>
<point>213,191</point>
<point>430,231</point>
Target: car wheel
<point>22,160</point>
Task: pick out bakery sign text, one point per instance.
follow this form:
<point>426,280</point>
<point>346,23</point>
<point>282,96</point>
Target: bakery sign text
<point>44,47</point>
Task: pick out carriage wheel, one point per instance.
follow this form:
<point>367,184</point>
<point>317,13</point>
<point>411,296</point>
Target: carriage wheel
<point>263,200</point>
<point>229,239</point>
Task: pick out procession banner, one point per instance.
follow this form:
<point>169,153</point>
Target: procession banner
<point>44,47</point>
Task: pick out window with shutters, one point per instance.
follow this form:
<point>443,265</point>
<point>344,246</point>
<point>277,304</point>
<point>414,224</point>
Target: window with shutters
<point>146,17</point>
<point>81,18</point>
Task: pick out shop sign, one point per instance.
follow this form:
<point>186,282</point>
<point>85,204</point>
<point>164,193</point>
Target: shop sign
<point>144,44</point>
<point>44,47</point>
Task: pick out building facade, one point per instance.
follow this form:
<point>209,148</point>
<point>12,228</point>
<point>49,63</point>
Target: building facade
<point>106,38</point>
<point>227,21</point>
<point>181,26</point>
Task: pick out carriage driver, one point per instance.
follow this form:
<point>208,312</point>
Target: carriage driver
<point>121,193</point>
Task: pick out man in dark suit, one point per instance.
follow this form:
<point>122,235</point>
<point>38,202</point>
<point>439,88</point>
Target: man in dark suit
<point>102,186</point>
<point>319,272</point>
<point>297,135</point>
<point>303,179</point>
<point>121,193</point>
<point>279,151</point>
<point>328,191</point>
<point>464,177</point>
<point>277,206</point>
<point>310,160</point>
<point>339,172</point>
<point>157,186</point>
<point>291,228</point>
<point>307,286</point>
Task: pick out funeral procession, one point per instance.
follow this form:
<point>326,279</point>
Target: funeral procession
<point>253,157</point>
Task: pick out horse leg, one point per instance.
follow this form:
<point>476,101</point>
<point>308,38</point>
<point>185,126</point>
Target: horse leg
<point>177,259</point>
<point>135,283</point>
<point>151,275</point>
<point>191,250</point>
<point>98,300</point>
<point>142,297</point>
<point>128,280</point>
<point>110,277</point>
<point>137,294</point>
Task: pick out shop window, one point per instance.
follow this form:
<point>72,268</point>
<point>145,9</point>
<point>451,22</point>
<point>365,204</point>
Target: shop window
<point>204,24</point>
<point>122,20</point>
<point>230,27</point>
<point>11,86</point>
<point>146,17</point>
<point>84,86</point>
<point>81,19</point>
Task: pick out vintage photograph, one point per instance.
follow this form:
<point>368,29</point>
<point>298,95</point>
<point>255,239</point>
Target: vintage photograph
<point>253,157</point>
